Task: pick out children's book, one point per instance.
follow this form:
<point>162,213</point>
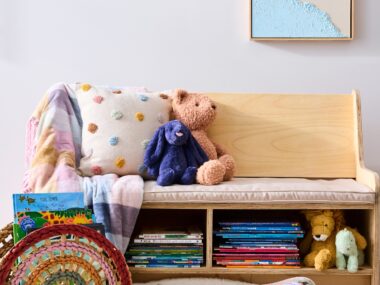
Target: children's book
<point>30,221</point>
<point>168,241</point>
<point>261,228</point>
<point>167,266</point>
<point>171,233</point>
<point>259,224</point>
<point>37,202</point>
<point>263,236</point>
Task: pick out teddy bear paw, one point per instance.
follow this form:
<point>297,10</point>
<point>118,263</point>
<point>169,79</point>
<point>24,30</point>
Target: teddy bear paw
<point>229,164</point>
<point>211,173</point>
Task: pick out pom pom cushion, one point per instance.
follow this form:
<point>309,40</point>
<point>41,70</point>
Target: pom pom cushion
<point>117,126</point>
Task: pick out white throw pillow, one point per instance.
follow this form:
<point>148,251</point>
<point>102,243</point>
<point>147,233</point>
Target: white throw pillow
<point>117,126</point>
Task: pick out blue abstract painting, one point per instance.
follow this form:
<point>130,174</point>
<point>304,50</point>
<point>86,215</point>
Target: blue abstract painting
<point>301,19</point>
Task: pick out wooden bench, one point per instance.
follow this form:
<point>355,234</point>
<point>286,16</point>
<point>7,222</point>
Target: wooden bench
<point>284,138</point>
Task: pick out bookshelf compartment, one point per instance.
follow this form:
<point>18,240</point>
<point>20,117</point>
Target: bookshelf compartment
<point>355,218</point>
<point>257,239</point>
<point>162,234</point>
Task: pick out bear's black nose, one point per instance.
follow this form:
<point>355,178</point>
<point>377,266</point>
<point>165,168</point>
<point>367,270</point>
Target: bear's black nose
<point>317,236</point>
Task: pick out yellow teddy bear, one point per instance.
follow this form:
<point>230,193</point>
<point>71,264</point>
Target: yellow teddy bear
<point>319,243</point>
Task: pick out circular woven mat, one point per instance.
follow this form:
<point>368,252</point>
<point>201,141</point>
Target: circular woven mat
<point>64,254</point>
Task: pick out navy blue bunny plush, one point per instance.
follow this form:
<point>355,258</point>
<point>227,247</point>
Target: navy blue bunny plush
<point>173,155</point>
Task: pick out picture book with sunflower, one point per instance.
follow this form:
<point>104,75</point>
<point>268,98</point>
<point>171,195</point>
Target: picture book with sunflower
<point>34,211</point>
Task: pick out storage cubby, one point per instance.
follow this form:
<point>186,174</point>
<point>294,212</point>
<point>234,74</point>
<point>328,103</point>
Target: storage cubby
<point>172,220</point>
<point>358,218</point>
<point>257,216</point>
<point>206,218</point>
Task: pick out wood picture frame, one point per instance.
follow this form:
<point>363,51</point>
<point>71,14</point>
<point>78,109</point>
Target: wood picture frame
<point>254,36</point>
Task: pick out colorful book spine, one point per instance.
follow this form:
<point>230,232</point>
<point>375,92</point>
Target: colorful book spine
<point>263,228</point>
<point>167,241</point>
<point>260,224</point>
<point>170,236</point>
<point>167,265</point>
<point>263,236</point>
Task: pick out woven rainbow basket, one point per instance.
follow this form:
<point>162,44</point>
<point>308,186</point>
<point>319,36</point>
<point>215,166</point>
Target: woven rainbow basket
<point>6,240</point>
<point>64,254</point>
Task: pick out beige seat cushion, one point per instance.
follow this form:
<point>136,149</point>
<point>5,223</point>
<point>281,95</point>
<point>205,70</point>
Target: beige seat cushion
<point>264,190</point>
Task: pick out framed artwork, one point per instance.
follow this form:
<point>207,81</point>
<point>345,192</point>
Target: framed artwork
<point>302,19</point>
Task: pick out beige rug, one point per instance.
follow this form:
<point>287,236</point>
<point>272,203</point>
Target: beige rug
<point>211,281</point>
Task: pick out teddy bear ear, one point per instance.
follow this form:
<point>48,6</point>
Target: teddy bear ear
<point>179,96</point>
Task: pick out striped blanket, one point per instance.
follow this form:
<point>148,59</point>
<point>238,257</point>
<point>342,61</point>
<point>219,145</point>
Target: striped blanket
<point>116,203</point>
<point>53,143</point>
<point>53,153</point>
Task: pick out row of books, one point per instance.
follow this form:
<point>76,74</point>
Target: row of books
<point>166,248</point>
<point>257,244</point>
<point>36,210</point>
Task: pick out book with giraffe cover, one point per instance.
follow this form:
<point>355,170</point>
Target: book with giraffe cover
<point>36,210</point>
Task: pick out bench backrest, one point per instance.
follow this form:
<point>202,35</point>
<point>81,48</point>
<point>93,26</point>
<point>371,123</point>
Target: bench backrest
<point>289,135</point>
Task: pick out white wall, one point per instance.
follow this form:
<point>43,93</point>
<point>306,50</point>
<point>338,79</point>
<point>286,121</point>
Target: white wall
<point>196,44</point>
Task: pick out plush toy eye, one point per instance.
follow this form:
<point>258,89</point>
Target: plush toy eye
<point>213,106</point>
<point>197,104</point>
<point>325,225</point>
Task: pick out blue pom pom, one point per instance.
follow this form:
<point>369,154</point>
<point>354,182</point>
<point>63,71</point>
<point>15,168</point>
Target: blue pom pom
<point>144,98</point>
<point>114,140</point>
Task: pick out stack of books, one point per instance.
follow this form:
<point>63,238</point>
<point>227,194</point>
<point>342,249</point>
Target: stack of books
<point>36,210</point>
<point>167,248</point>
<point>257,244</point>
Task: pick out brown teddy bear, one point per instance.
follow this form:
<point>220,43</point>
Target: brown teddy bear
<point>319,243</point>
<point>197,112</point>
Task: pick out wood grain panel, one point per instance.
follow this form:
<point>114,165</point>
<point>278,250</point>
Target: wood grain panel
<point>256,276</point>
<point>287,135</point>
<point>371,179</point>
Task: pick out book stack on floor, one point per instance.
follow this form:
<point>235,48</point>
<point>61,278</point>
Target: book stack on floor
<point>257,244</point>
<point>167,248</point>
<point>36,210</point>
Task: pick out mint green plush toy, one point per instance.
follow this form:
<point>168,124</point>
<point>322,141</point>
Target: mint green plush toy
<point>346,247</point>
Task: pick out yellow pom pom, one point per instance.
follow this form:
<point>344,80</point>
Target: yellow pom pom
<point>139,116</point>
<point>120,162</point>
<point>85,87</point>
